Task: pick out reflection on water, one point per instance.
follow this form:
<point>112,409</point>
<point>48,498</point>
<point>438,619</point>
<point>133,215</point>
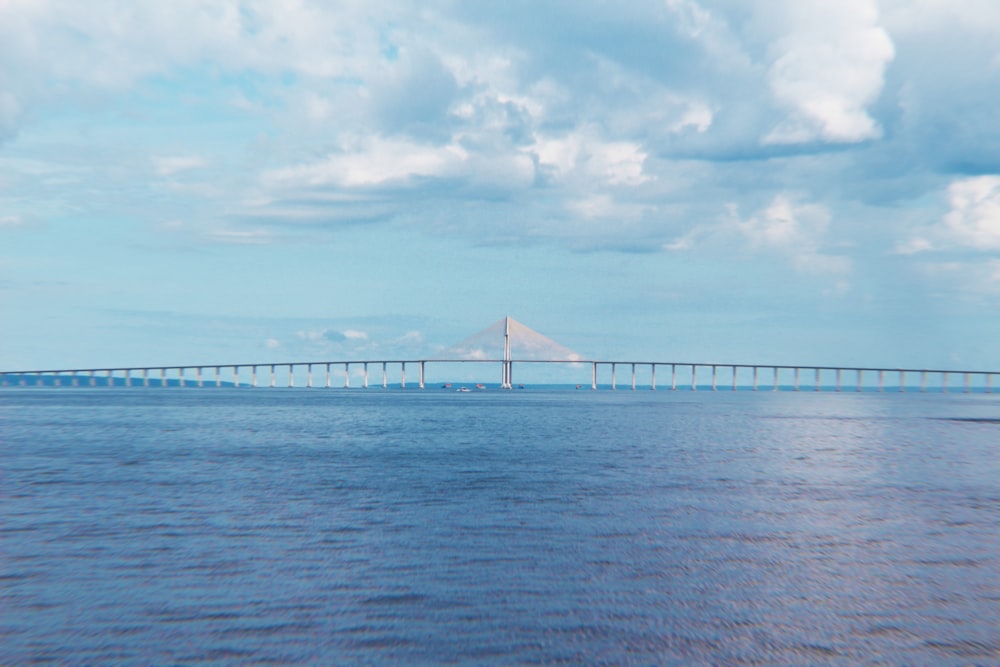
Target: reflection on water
<point>298,526</point>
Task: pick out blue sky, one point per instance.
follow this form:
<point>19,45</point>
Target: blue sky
<point>722,181</point>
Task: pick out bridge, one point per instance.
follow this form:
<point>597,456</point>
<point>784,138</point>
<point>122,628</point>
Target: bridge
<point>534,348</point>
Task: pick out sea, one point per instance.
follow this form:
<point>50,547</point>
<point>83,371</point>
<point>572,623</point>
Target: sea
<point>218,526</point>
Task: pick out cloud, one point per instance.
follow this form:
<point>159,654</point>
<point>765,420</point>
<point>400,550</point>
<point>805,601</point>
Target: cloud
<point>913,246</point>
<point>12,222</point>
<point>590,127</point>
<point>168,166</point>
<point>795,230</point>
<point>974,218</point>
<point>603,162</point>
<point>331,335</point>
<point>827,69</point>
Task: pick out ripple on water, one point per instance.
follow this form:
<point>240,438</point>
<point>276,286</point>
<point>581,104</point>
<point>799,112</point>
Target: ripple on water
<point>402,528</point>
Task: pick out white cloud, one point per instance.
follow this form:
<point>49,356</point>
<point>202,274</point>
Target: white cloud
<point>12,221</point>
<point>168,166</point>
<point>795,230</point>
<point>974,218</point>
<point>827,69</point>
<point>693,18</point>
<point>331,335</point>
<point>378,161</point>
<point>913,246</point>
<point>410,340</point>
<point>240,236</point>
<point>272,343</point>
<point>581,154</point>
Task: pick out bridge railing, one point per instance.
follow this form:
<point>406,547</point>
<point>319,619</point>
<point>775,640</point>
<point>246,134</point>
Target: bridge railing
<point>603,373</point>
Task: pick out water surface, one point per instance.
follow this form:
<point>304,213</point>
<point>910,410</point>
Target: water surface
<point>301,526</point>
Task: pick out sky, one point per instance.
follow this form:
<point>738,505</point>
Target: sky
<point>247,181</point>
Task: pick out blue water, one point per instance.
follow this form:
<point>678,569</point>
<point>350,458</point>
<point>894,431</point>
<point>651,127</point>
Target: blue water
<point>294,526</point>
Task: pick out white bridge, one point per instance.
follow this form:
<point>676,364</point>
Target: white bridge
<point>532,348</point>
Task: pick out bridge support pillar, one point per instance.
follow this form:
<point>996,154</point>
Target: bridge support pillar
<point>163,377</point>
<point>989,383</point>
<point>402,375</point>
<point>694,377</point>
<point>797,378</point>
<point>593,376</point>
<point>715,375</point>
<point>652,377</point>
<point>197,374</point>
<point>838,379</point>
<point>860,374</point>
<point>734,378</point>
<point>347,375</point>
<point>272,376</point>
<point>755,378</point>
<point>817,380</point>
<point>385,378</point>
<point>673,377</point>
<point>180,377</point>
<point>944,383</point>
<point>612,376</point>
<point>965,381</point>
<point>902,381</point>
<point>421,381</point>
<point>309,376</point>
<point>236,376</point>
<point>291,375</point>
<point>253,376</point>
<point>881,381</point>
<point>365,372</point>
<point>775,384</point>
<point>128,378</point>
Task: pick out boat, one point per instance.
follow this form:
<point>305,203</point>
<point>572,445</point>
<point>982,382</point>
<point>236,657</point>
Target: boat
<point>463,389</point>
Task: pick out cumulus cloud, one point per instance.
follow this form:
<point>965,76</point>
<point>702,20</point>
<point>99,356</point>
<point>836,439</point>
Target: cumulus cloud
<point>331,335</point>
<point>913,246</point>
<point>827,69</point>
<point>12,221</point>
<point>170,165</point>
<point>796,230</point>
<point>624,128</point>
<point>974,218</point>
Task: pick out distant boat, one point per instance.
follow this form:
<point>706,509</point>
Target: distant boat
<point>463,389</point>
<point>446,385</point>
<point>480,386</point>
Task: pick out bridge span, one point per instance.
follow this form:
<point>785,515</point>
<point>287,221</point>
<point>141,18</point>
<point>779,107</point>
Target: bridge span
<point>681,375</point>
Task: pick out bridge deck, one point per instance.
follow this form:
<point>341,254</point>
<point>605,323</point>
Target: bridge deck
<point>753,376</point>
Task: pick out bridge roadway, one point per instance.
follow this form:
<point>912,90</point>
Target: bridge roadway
<point>181,375</point>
